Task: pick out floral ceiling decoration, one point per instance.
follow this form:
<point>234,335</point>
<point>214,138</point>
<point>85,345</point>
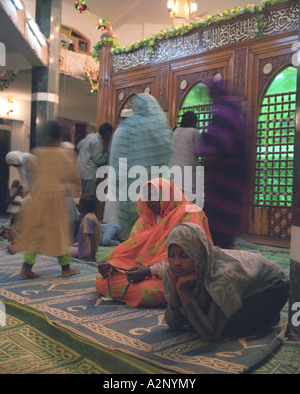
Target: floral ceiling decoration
<point>82,6</point>
<point>102,25</point>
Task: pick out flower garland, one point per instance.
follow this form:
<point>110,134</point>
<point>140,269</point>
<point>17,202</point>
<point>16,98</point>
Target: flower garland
<point>7,83</point>
<point>102,25</point>
<point>106,40</point>
<point>81,6</point>
<point>151,43</point>
<point>94,86</point>
<point>92,76</point>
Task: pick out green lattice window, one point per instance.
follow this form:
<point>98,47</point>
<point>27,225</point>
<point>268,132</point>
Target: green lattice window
<point>275,142</point>
<point>198,101</point>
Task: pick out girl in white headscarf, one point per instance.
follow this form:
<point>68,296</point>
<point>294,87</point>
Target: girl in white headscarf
<point>220,292</point>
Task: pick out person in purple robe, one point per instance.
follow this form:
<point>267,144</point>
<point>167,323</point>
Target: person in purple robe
<point>225,166</point>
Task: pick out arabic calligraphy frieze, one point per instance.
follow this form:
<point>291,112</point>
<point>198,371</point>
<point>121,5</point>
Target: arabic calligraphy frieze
<point>229,34</point>
<point>279,20</point>
<point>167,50</point>
<point>282,19</point>
<point>177,48</point>
<point>126,61</point>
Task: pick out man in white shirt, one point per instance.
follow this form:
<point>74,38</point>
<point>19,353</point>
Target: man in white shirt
<point>92,153</point>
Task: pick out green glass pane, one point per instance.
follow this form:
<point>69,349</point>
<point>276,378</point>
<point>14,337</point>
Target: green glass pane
<point>199,95</point>
<point>286,81</point>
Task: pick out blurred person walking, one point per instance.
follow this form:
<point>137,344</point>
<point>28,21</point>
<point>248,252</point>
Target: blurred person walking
<point>224,149</point>
<point>44,226</point>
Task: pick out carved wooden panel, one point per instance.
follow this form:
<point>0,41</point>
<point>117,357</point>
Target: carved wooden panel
<point>280,222</point>
<point>124,93</point>
<point>163,78</point>
<point>239,67</point>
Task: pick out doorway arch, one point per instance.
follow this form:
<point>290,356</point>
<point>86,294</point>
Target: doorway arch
<point>197,100</point>
<point>274,156</point>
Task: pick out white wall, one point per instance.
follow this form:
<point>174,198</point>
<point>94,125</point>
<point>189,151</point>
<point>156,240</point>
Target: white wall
<point>126,34</point>
<point>21,123</point>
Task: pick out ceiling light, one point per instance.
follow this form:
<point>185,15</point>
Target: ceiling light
<point>10,106</point>
<point>193,7</point>
<point>182,8</point>
<point>171,5</point>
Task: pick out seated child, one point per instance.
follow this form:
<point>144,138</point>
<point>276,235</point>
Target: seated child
<point>110,234</point>
<point>89,234</point>
<point>15,200</point>
<point>10,233</point>
<point>8,229</point>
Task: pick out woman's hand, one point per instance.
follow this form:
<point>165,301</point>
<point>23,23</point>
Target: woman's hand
<point>186,283</point>
<point>138,274</point>
<point>185,286</point>
<point>105,269</point>
<point>173,279</point>
<point>174,301</point>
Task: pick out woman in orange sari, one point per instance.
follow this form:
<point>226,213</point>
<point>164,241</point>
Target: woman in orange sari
<point>126,275</point>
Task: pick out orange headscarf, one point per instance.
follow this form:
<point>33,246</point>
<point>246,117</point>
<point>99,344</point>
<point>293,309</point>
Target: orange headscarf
<point>147,242</point>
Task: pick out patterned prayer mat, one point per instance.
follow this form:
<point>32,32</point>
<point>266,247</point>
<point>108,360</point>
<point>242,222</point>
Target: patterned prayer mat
<point>30,344</point>
<point>74,304</point>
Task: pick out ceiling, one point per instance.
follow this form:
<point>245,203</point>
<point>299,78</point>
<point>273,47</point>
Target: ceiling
<point>121,12</point>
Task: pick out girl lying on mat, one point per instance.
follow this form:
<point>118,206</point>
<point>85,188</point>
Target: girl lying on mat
<point>127,274</point>
<point>220,292</point>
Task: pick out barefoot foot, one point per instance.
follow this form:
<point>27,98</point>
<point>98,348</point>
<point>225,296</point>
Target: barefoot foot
<point>27,272</point>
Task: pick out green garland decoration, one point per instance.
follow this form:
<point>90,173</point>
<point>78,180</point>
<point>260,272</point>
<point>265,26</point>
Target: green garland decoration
<point>6,84</point>
<point>106,40</point>
<point>151,43</point>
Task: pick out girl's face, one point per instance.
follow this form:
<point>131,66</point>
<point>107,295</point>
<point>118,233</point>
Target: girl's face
<point>180,263</point>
